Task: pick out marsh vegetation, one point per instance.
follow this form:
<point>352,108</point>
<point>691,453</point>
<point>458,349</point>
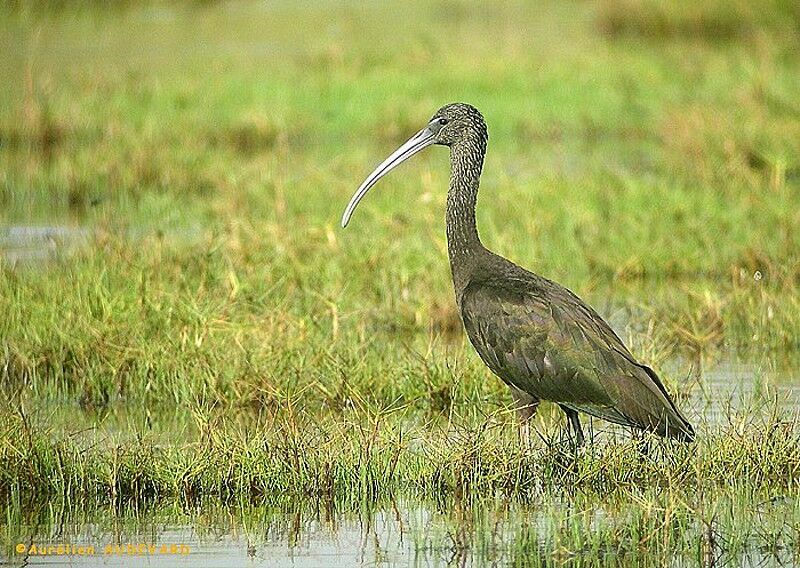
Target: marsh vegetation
<point>200,342</point>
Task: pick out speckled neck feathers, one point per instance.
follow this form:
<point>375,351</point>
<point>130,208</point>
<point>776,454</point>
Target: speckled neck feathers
<point>463,244</point>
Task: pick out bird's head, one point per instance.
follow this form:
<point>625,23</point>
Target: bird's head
<point>453,124</point>
<point>457,122</point>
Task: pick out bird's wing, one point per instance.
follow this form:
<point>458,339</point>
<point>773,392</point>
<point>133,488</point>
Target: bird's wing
<point>541,338</point>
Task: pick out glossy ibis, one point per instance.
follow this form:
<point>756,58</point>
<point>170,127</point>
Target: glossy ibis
<point>542,340</point>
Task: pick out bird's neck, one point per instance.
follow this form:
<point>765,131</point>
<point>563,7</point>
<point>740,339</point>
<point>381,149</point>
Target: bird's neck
<point>463,244</point>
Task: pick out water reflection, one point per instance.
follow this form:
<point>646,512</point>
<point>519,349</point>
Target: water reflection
<point>553,532</point>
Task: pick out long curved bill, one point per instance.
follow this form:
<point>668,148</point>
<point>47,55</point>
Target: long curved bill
<point>420,140</point>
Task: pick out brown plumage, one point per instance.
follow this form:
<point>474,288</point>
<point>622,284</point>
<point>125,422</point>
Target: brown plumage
<point>537,336</point>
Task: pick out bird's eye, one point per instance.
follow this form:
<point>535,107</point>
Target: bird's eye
<point>442,121</point>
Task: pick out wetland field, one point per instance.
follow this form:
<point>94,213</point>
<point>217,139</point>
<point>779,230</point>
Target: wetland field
<point>195,356</point>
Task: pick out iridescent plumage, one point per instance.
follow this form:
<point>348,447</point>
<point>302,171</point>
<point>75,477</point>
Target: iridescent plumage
<point>537,336</point>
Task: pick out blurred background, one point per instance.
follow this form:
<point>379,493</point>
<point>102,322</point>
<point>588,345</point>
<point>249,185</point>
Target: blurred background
<point>172,175</point>
<point>636,149</point>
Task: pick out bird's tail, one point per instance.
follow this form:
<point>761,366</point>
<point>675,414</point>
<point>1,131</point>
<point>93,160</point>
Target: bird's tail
<point>678,428</point>
<point>673,423</point>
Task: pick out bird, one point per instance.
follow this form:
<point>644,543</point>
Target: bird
<point>537,336</point>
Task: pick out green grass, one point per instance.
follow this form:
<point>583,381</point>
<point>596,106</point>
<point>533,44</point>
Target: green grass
<point>732,494</point>
<point>645,155</point>
<point>379,454</point>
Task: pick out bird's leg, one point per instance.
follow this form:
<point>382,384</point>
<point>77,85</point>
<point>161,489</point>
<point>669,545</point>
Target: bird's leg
<point>526,406</point>
<point>575,422</point>
<point>643,446</point>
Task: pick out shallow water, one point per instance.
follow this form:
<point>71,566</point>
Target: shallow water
<point>395,535</point>
<point>731,386</point>
<point>32,244</point>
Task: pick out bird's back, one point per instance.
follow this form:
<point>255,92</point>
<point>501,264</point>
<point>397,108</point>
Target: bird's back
<point>541,338</point>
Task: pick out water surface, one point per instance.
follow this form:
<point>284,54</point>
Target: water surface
<point>398,534</point>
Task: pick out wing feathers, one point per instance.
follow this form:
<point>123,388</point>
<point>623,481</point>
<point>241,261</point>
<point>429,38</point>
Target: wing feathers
<point>542,339</point>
